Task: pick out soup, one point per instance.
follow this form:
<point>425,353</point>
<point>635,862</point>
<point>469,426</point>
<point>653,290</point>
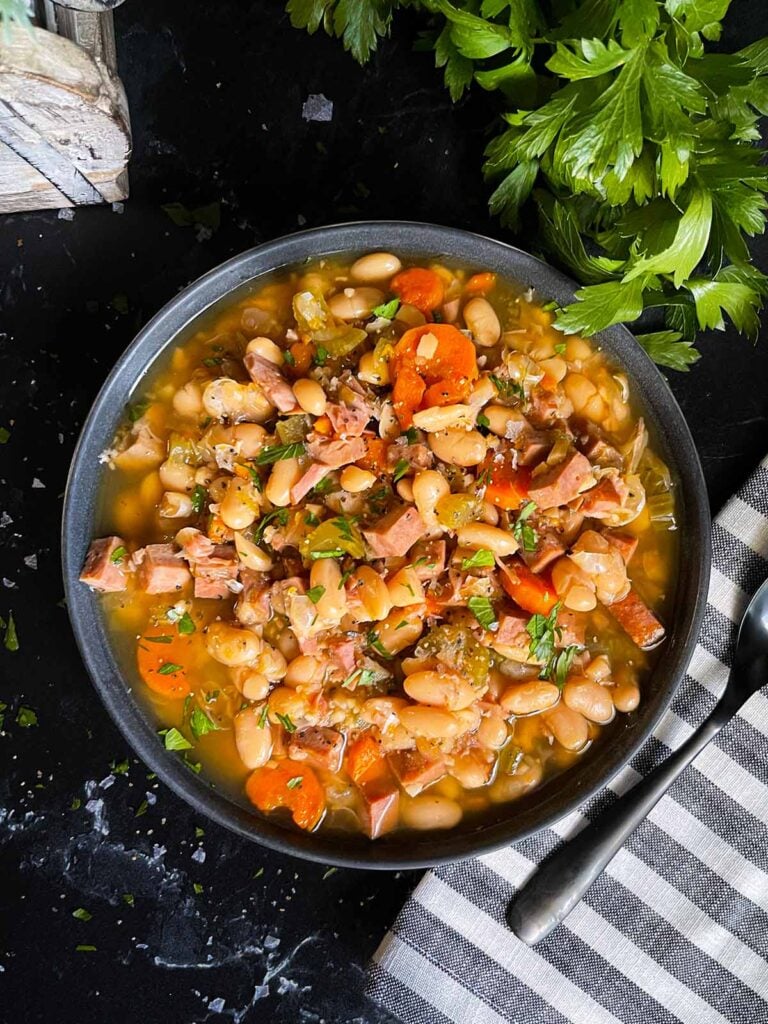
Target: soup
<point>386,550</point>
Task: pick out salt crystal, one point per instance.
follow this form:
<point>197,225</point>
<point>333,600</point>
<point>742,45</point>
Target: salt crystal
<point>217,1005</point>
<point>271,942</point>
<point>66,214</point>
<point>37,483</point>
<point>317,107</point>
<point>5,519</point>
<point>30,561</point>
<point>199,856</point>
<point>8,583</point>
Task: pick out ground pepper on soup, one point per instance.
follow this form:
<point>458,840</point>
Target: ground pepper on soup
<point>388,550</point>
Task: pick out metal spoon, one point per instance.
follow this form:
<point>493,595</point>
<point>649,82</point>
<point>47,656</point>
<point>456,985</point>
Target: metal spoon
<point>564,878</point>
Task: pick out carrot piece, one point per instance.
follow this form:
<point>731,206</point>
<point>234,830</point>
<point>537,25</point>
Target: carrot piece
<point>363,756</point>
<point>534,594</point>
<point>480,284</point>
<point>161,655</point>
<point>241,471</point>
<point>442,379</point>
<point>507,487</point>
<point>218,530</point>
<point>419,287</point>
<point>274,786</point>
<point>375,458</point>
<point>302,352</point>
<point>322,425</point>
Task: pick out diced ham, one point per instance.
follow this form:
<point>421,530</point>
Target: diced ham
<point>349,419</point>
<point>335,454</point>
<point>638,621</point>
<point>600,453</point>
<point>253,606</point>
<point>626,543</point>
<point>512,630</point>
<point>562,483</point>
<point>532,446</point>
<point>417,455</point>
<point>267,376</point>
<point>283,590</point>
<point>545,407</point>
<point>318,746</point>
<point>572,627</point>
<point>161,569</point>
<point>342,654</point>
<point>381,798</point>
<point>194,544</point>
<point>549,547</point>
<point>428,559</point>
<point>99,571</point>
<point>214,573</point>
<point>316,472</point>
<point>396,533</point>
<point>414,771</point>
<point>605,499</point>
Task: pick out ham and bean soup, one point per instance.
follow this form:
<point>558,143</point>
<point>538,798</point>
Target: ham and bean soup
<point>387,550</point>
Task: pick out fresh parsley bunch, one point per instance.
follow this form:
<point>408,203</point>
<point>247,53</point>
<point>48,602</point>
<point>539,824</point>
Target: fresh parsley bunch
<point>637,148</point>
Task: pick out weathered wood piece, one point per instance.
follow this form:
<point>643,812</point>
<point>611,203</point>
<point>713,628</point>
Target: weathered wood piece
<point>64,125</point>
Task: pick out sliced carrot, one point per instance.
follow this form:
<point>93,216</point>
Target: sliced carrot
<point>275,786</point>
<point>218,530</point>
<point>302,352</point>
<point>241,471</point>
<point>480,284</point>
<point>507,487</point>
<point>322,425</point>
<point>363,756</point>
<point>375,458</point>
<point>442,379</point>
<point>534,594</point>
<point>162,654</point>
<point>419,287</point>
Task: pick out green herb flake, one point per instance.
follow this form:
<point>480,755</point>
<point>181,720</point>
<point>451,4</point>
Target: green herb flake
<point>522,531</point>
<point>285,721</point>
<point>483,421</point>
<point>560,347</point>
<point>11,640</point>
<point>259,873</point>
<point>483,611</point>
<point>198,497</point>
<point>295,782</point>
<point>277,515</point>
<point>85,949</point>
<point>76,804</point>
<point>5,435</point>
<point>559,665</point>
<point>118,554</point>
<point>136,410</point>
<point>81,914</point>
<point>199,832</point>
<point>128,899</point>
<point>279,452</point>
<point>323,486</point>
<point>321,356</point>
<point>387,310</point>
<point>328,872</point>
<point>374,642</point>
<point>315,593</point>
<point>213,361</point>
<point>289,357</point>
<point>200,723</point>
<point>120,767</point>
<point>543,631</point>
<point>26,717</point>
<point>174,740</point>
<point>141,810</point>
<point>482,559</point>
<point>185,625</point>
<point>194,766</point>
<point>169,668</point>
<point>411,435</point>
<point>310,519</point>
<point>163,639</point>
<point>401,468</point>
<point>263,717</point>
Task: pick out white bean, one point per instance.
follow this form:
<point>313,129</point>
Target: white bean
<point>480,317</point>
<point>431,812</point>
<point>232,646</point>
<point>429,487</point>
<point>373,370</point>
<point>249,439</point>
<point>285,474</point>
<point>253,740</point>
<point>569,727</point>
<point>238,508</point>
<point>226,399</point>
<point>589,698</point>
<point>355,303</point>
<point>332,603</point>
<point>376,266</point>
<point>188,400</point>
<point>371,594</point>
<point>441,417</point>
<point>459,447</point>
<point>530,697</point>
<point>405,588</point>
<point>267,349</point>
<point>429,722</point>
<point>175,506</point>
<point>492,538</point>
<point>310,396</point>
<point>440,689</point>
<point>355,480</point>
<point>252,556</point>
<point>177,476</point>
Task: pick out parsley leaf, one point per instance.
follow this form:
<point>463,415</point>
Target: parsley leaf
<point>295,782</point>
<point>200,723</point>
<point>118,554</point>
<point>480,559</point>
<point>11,640</point>
<point>286,722</point>
<point>483,611</point>
<point>278,452</point>
<point>315,593</point>
<point>543,631</point>
<point>401,468</point>
<point>522,531</point>
<point>668,348</point>
<point>198,498</point>
<point>387,310</point>
<point>175,741</point>
<point>559,665</point>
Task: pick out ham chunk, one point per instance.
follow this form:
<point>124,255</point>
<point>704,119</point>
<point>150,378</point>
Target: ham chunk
<point>395,534</point>
<point>417,455</point>
<point>605,499</point>
<point>193,543</point>
<point>638,621</point>
<point>335,454</point>
<point>512,631</point>
<point>253,606</point>
<point>626,544</point>
<point>600,453</point>
<point>531,446</point>
<point>318,746</point>
<point>161,569</point>
<point>349,420</point>
<point>381,798</point>
<point>428,559</point>
<point>316,472</point>
<point>212,574</point>
<point>573,628</point>
<point>268,377</point>
<point>100,571</point>
<point>561,483</point>
<point>414,771</point>
<point>549,547</point>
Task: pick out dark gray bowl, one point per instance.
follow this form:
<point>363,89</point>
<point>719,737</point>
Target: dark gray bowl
<point>517,820</point>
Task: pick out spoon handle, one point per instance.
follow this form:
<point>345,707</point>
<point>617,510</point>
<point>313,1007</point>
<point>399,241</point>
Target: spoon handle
<point>559,884</point>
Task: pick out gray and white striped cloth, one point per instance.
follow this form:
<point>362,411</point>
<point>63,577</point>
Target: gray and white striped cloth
<point>676,929</point>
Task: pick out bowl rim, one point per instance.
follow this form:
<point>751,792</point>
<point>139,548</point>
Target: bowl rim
<point>413,238</point>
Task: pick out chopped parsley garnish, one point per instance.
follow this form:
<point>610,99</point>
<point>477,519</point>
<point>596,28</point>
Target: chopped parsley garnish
<point>128,899</point>
<point>263,717</point>
<point>255,478</point>
<point>5,435</point>
<point>85,949</point>
<point>543,631</point>
<point>213,361</point>
<point>411,435</point>
<point>360,677</point>
<point>508,388</point>
<point>387,310</point>
<point>289,357</point>
<point>198,497</point>
<point>279,515</point>
<point>200,723</point>
<point>11,640</point>
<point>185,625</point>
<point>141,809</point>
<point>286,722</point>
<point>522,531</point>
<point>26,717</point>
<point>120,767</point>
<point>175,741</point>
<point>374,642</point>
<point>329,872</point>
<point>197,887</point>
<point>81,914</point>
<point>310,519</point>
<point>559,346</point>
<point>295,782</point>
<point>194,766</point>
<point>481,559</point>
<point>333,553</point>
<point>483,611</point>
<point>344,577</point>
<point>322,486</point>
<point>321,355</point>
<point>559,665</point>
<point>278,452</point>
<point>401,468</point>
<point>165,639</point>
<point>483,421</point>
<point>169,668</point>
<point>118,554</point>
<point>315,593</point>
<point>137,410</point>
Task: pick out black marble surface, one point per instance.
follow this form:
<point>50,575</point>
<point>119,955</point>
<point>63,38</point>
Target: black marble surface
<point>194,927</point>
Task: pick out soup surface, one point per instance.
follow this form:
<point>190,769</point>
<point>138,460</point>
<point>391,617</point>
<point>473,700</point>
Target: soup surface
<point>386,550</point>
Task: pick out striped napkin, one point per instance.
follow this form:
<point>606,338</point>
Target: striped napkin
<point>676,929</point>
